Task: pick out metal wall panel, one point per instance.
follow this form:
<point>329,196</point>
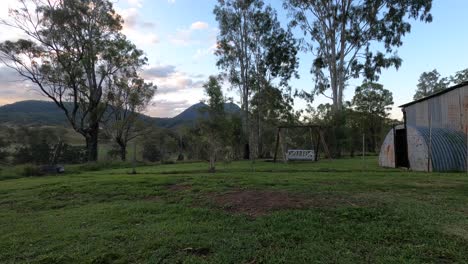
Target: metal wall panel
<point>448,110</point>
<point>448,148</point>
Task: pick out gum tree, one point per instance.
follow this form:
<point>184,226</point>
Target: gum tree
<point>72,50</point>
<point>353,38</point>
<point>253,50</point>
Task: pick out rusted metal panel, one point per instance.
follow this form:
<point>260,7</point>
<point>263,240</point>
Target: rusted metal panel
<point>418,151</point>
<point>448,110</point>
<point>387,151</point>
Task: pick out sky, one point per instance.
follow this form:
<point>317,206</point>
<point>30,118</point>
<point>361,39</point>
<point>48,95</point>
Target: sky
<point>179,38</point>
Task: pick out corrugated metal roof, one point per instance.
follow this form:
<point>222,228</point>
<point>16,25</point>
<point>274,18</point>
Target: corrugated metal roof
<point>436,94</point>
<point>448,148</point>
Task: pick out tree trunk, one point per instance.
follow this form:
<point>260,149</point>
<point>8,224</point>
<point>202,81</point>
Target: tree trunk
<point>92,144</point>
<point>123,152</point>
<point>212,160</point>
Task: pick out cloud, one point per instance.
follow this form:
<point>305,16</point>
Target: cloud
<point>138,31</point>
<point>173,85</point>
<point>167,108</point>
<point>171,1</point>
<point>158,71</point>
<point>186,36</point>
<point>14,88</point>
<point>169,80</point>
<point>177,82</point>
<point>137,3</point>
<point>201,53</point>
<point>199,25</point>
<point>132,20</point>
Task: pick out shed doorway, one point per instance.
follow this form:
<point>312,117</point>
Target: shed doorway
<point>401,149</point>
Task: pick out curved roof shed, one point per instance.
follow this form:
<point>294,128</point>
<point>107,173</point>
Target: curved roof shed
<point>441,149</point>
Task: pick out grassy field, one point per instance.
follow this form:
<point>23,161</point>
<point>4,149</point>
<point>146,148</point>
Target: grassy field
<point>342,211</point>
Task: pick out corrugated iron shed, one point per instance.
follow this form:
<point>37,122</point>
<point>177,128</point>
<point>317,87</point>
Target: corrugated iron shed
<point>448,148</point>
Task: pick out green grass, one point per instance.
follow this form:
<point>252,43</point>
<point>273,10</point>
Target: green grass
<point>109,216</point>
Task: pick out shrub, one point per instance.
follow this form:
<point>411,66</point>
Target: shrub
<point>151,153</point>
<point>72,154</point>
<point>31,170</point>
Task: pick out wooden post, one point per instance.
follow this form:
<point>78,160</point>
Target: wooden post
<point>363,148</point>
<point>277,144</point>
<point>134,158</point>
<point>318,144</point>
<point>325,147</point>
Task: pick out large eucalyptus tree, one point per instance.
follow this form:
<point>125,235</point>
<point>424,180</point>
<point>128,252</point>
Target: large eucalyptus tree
<point>253,50</point>
<point>72,50</point>
<point>353,38</point>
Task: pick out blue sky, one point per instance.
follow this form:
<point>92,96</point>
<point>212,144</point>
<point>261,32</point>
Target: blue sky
<point>178,37</point>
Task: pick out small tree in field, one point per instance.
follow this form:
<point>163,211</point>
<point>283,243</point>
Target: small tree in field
<point>372,101</point>
<point>253,50</point>
<point>129,95</point>
<point>213,127</point>
<point>73,50</point>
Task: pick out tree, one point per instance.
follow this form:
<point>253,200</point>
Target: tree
<point>373,102</point>
<point>270,108</point>
<point>342,34</point>
<point>213,127</point>
<point>4,144</point>
<point>430,83</point>
<point>129,95</point>
<point>252,50</point>
<point>459,77</point>
<point>72,51</point>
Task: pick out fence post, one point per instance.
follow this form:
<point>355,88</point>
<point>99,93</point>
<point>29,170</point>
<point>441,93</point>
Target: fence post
<point>134,159</point>
<point>363,149</point>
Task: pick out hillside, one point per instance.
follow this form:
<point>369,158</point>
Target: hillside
<point>35,112</point>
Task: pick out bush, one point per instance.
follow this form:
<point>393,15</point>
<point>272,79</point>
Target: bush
<point>151,153</point>
<point>72,154</point>
<point>31,170</point>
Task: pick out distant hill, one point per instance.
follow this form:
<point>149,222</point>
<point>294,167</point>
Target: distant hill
<point>35,112</point>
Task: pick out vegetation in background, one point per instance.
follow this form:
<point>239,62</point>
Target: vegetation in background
<point>253,51</point>
<point>129,95</point>
<point>431,82</point>
<point>373,103</point>
<point>341,35</point>
<point>73,52</point>
<point>213,128</point>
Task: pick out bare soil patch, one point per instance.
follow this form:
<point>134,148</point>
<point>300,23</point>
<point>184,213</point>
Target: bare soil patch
<point>256,203</point>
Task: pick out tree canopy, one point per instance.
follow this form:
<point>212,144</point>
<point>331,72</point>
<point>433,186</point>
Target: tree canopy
<point>341,34</point>
<point>253,49</point>
<point>72,52</point>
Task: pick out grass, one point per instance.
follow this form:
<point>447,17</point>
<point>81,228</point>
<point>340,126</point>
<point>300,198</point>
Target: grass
<point>353,212</point>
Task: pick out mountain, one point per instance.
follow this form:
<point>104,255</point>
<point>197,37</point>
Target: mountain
<point>35,112</point>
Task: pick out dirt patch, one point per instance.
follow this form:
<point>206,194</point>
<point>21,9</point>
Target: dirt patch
<point>261,202</point>
<point>179,187</point>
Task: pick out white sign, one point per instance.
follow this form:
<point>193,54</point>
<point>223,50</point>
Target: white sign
<point>300,154</point>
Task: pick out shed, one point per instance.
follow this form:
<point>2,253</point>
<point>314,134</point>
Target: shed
<point>434,134</point>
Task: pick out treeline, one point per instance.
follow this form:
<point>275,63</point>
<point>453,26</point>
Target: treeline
<point>87,66</point>
<point>432,82</point>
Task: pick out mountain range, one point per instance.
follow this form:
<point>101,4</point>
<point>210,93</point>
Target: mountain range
<point>35,112</point>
